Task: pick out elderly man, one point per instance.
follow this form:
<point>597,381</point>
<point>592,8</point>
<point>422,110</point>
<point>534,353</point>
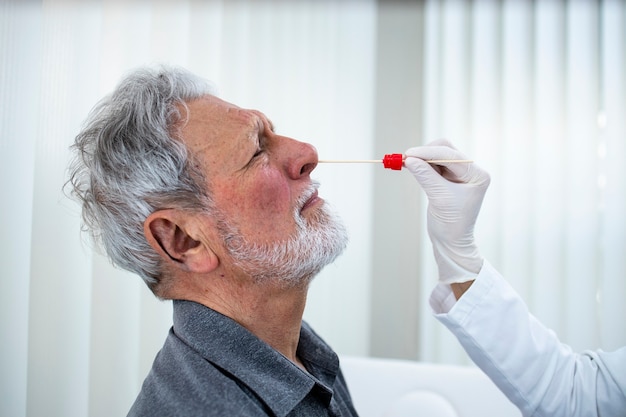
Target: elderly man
<point>218,213</point>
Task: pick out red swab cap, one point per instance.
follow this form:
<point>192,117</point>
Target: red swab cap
<point>393,161</point>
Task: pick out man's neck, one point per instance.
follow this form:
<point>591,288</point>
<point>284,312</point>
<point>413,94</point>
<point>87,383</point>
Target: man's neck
<point>272,313</point>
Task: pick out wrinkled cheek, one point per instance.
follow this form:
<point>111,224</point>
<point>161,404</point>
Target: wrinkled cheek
<point>271,197</point>
<point>265,212</point>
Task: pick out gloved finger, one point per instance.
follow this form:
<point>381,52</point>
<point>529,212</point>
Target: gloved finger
<point>422,170</point>
<point>457,172</point>
<point>425,173</point>
<point>432,183</point>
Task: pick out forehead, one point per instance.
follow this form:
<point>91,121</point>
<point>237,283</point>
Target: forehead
<point>215,113</point>
<point>209,118</point>
<point>215,128</point>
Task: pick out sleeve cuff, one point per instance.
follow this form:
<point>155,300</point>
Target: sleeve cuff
<point>442,300</point>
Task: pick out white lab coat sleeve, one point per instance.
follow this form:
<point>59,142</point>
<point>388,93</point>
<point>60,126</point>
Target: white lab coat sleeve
<point>539,374</point>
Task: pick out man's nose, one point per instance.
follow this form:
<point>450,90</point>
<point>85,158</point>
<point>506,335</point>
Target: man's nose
<point>300,158</point>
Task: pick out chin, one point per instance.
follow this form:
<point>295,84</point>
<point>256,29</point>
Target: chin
<point>319,239</point>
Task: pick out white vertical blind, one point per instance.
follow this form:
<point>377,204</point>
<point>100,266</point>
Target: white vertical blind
<point>78,335</point>
<point>513,145</point>
<point>19,28</point>
<point>531,86</point>
<point>582,108</point>
<point>612,136</point>
<point>548,130</point>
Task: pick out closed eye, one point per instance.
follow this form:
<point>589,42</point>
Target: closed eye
<point>259,151</point>
<point>263,127</point>
<point>261,145</point>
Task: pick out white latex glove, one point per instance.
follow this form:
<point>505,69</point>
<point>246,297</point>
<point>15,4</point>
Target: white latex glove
<point>455,193</point>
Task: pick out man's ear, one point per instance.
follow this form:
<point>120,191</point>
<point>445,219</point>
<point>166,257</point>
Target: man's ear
<point>172,235</point>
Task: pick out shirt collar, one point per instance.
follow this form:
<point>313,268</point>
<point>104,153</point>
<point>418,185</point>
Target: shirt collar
<point>279,383</point>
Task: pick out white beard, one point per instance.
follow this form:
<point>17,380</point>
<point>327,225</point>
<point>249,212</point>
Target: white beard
<point>318,241</point>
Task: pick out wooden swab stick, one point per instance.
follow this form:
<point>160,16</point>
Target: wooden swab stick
<point>379,161</point>
<point>350,161</point>
<point>392,161</point>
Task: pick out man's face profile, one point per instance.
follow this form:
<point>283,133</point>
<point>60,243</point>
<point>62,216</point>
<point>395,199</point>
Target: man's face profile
<point>269,217</point>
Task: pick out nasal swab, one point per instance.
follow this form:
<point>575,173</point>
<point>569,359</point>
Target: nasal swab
<point>391,161</point>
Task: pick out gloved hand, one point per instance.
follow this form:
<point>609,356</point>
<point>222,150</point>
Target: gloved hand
<point>455,193</point>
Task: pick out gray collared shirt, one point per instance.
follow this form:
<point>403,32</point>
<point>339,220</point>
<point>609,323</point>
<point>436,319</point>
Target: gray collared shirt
<point>212,366</point>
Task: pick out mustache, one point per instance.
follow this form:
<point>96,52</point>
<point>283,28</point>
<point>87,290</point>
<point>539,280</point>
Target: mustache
<point>308,193</point>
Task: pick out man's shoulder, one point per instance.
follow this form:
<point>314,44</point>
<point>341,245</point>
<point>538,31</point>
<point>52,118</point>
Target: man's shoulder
<point>183,383</point>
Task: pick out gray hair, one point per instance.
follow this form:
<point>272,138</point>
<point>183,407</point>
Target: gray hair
<point>129,163</point>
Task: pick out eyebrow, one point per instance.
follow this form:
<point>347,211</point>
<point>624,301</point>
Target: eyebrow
<point>261,119</point>
<point>260,125</point>
<point>272,126</point>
